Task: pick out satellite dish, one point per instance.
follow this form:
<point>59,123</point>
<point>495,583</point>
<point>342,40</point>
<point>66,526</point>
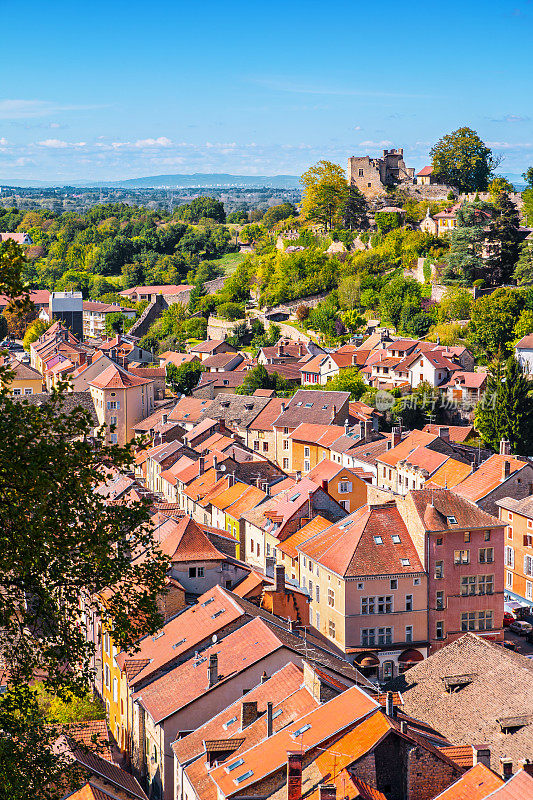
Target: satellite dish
<point>222,468</point>
<point>214,638</point>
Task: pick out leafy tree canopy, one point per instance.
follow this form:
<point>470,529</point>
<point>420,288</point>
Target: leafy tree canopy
<point>461,159</point>
<point>506,411</point>
<point>325,192</point>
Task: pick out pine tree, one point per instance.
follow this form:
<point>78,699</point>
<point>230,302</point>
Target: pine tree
<point>503,241</point>
<point>506,411</point>
<point>465,259</point>
<point>523,273</point>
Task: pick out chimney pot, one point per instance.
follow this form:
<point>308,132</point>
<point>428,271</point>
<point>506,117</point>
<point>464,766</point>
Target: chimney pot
<point>444,434</point>
<point>389,706</point>
<point>248,713</point>
<point>294,775</point>
<point>506,470</point>
<point>505,447</point>
<point>212,670</point>
<point>164,419</point>
<point>481,755</point>
<point>346,427</point>
<point>269,719</point>
<point>215,463</point>
<point>201,465</point>
<point>298,475</point>
<point>264,677</point>
<point>280,578</point>
<point>396,436</point>
<point>507,768</point>
<point>527,766</point>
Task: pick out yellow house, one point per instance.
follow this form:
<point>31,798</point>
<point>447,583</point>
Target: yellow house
<point>26,380</point>
<point>309,444</point>
<point>341,483</point>
<point>114,691</point>
<point>121,399</point>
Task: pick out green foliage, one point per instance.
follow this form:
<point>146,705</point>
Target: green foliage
<point>506,411</point>
<point>465,259</point>
<point>354,210</point>
<point>117,322</point>
<point>461,159</point>
<point>184,379</point>
<point>4,329</point>
<point>387,220</point>
<point>201,207</point>
<point>492,322</point>
<point>527,208</point>
<point>324,316</point>
<point>448,333</point>
<point>230,311</point>
<point>427,270</point>
<point>504,240</point>
<point>237,217</point>
<point>35,330</point>
<point>528,177</point>
<point>348,380</point>
<point>455,304</point>
<point>498,185</point>
<point>276,214</point>
<point>325,193</point>
<point>415,409</point>
<point>259,378</point>
<point>251,233</point>
<point>524,324</point>
<point>287,276</point>
<point>523,273</point>
<point>416,325</point>
<point>394,296</point>
<point>70,708</point>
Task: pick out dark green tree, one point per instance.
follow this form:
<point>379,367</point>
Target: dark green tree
<point>184,379</point>
<point>461,159</point>
<point>276,214</point>
<point>523,273</point>
<point>354,210</point>
<point>465,260</point>
<point>492,322</point>
<point>506,411</point>
<point>503,241</point>
<point>259,378</point>
<point>202,207</point>
<point>62,545</point>
<point>395,295</point>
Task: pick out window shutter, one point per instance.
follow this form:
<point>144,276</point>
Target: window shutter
<point>108,405</point>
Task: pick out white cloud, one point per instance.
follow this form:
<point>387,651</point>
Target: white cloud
<point>384,143</point>
<point>26,109</point>
<point>58,144</point>
<point>511,145</point>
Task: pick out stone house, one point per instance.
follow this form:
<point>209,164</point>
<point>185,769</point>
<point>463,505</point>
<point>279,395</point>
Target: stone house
<point>121,400</point>
<point>373,175</point>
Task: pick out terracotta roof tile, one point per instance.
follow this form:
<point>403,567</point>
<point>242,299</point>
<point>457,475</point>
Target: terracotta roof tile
<point>476,784</point>
<point>487,477</point>
<point>115,377</point>
<point>186,542</point>
<point>450,474</point>
<point>401,451</point>
<point>289,545</point>
<point>458,433</point>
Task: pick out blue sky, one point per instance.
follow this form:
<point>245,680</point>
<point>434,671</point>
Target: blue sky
<point>110,90</point>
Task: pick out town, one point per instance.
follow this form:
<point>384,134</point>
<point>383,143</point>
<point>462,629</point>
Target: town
<point>286,490</point>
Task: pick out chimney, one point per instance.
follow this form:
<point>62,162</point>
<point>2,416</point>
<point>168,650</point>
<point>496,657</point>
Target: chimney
<point>264,677</point>
<point>327,791</point>
<point>248,713</point>
<point>389,704</point>
<point>231,479</point>
<point>396,436</point>
<point>201,465</point>
<point>221,425</point>
<point>294,775</point>
<point>269,719</point>
<point>292,626</point>
<point>280,579</point>
<point>298,475</point>
<point>280,349</point>
<point>212,670</point>
<point>481,755</point>
<point>505,447</point>
<point>333,413</point>
<point>444,434</point>
<point>506,470</point>
<point>164,419</point>
<point>527,766</point>
<point>474,466</point>
<point>507,768</point>
<point>324,483</point>
<point>283,406</point>
<point>215,463</point>
<point>403,726</point>
<point>346,427</point>
<point>369,426</point>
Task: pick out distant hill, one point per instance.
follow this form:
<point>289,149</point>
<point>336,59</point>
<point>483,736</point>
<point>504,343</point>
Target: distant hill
<point>197,180</point>
<point>212,180</point>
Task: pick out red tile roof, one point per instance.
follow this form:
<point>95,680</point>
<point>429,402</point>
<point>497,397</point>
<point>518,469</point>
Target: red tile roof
<point>458,433</point>
<point>115,377</point>
<point>425,171</point>
<point>362,544</point>
<point>476,784</point>
<point>487,477</point>
<point>306,532</point>
<point>185,541</point>
<point>401,451</point>
<point>170,288</point>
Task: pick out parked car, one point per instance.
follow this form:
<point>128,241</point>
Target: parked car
<point>509,645</point>
<point>520,627</point>
<point>507,618</point>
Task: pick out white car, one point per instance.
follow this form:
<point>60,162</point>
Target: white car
<point>521,627</point>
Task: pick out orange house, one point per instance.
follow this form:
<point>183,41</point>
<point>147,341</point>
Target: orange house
<point>309,445</point>
<point>341,483</point>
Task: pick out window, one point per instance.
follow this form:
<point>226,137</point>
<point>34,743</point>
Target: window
<point>192,572</point>
<point>285,431</point>
<point>368,637</point>
<point>439,540</point>
<point>408,633</point>
<point>405,562</point>
<point>487,536</point>
<point>113,438</point>
<point>311,589</point>
<point>408,602</point>
<point>439,604</point>
<point>317,621</point>
<point>385,605</point>
<point>529,590</point>
<point>388,670</point>
<point>113,405</point>
<point>461,557</point>
<point>17,392</point>
<point>378,540</point>
<point>509,579</point>
<point>361,585</point>
<point>416,581</point>
<point>256,445</point>
<point>307,452</point>
<point>107,676</point>
<point>28,391</point>
<point>476,621</point>
<point>486,555</point>
<point>509,557</point>
<point>317,593</point>
<point>367,605</point>
<point>285,463</point>
<point>394,583</point>
<point>528,565</point>
<point>361,173</point>
<point>112,420</point>
<point>200,572</point>
<point>439,630</point>
<point>285,444</point>
<point>331,598</point>
<point>307,466</point>
<point>467,537</point>
<point>115,690</point>
<point>439,570</point>
<point>396,539</point>
<point>331,629</point>
<point>384,636</point>
<point>345,487</point>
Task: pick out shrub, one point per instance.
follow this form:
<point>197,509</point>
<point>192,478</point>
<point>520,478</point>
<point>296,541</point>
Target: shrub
<point>230,311</point>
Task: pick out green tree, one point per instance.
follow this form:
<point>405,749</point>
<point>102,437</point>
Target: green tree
<point>506,411</point>
<point>184,379</point>
<point>4,330</point>
<point>465,260</point>
<point>498,185</point>
<point>259,378</point>
<point>396,294</point>
<point>461,159</point>
<point>69,709</point>
<point>455,303</point>
<point>523,272</point>
<point>325,193</point>
<point>354,211</point>
<point>200,207</point>
<point>61,544</point>
<point>276,214</point>
<point>503,240</point>
<point>492,322</point>
<point>387,220</point>
<point>117,322</point>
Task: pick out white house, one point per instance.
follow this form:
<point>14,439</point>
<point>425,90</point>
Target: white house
<point>524,353</point>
